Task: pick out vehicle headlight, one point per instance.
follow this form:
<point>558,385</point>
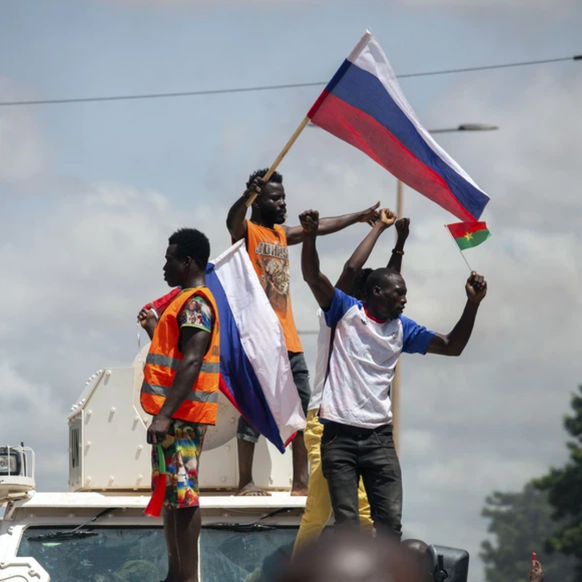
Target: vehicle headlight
<point>9,463</point>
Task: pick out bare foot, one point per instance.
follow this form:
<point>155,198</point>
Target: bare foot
<point>299,490</point>
<point>251,490</point>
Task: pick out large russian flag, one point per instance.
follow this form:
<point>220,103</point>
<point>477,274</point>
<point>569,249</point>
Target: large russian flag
<point>364,105</point>
<point>255,374</point>
<point>254,366</point>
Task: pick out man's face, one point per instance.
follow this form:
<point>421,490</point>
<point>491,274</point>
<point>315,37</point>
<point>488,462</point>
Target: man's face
<point>272,203</point>
<point>390,297</point>
<point>175,268</point>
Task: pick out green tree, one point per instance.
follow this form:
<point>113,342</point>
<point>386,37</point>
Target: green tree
<point>520,522</point>
<point>564,489</point>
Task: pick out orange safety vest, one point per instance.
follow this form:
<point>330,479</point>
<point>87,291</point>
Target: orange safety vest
<point>201,405</point>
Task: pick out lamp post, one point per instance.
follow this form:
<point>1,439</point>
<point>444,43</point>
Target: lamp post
<point>395,392</point>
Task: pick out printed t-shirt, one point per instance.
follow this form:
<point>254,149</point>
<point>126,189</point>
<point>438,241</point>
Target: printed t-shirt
<point>267,249</point>
<point>363,360</point>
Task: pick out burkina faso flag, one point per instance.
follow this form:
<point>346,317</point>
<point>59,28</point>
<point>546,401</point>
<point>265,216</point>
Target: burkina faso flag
<point>469,234</point>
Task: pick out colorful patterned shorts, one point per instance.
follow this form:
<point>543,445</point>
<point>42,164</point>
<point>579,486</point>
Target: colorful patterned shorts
<point>182,447</point>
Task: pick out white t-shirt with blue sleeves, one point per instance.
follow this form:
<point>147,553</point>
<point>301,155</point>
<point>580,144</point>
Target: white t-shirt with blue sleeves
<point>363,360</point>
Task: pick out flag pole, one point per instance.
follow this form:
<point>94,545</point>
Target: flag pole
<point>396,382</point>
<point>458,247</point>
<point>280,157</point>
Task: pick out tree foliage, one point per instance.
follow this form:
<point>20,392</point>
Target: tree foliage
<point>520,522</point>
<point>564,489</point>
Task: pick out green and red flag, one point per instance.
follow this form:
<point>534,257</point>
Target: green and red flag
<point>469,234</point>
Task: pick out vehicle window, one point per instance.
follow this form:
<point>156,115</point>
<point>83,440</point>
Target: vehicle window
<point>113,555</point>
<point>246,557</point>
<point>138,554</point>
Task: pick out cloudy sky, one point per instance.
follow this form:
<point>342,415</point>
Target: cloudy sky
<point>91,191</point>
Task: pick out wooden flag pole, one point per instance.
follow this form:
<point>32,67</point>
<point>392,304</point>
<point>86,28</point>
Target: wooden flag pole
<point>280,157</point>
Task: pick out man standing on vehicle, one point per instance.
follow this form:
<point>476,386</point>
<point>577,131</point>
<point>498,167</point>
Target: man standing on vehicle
<point>318,509</point>
<point>368,338</point>
<point>180,390</point>
<point>266,240</point>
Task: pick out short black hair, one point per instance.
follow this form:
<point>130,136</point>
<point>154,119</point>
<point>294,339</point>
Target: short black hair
<point>191,243</point>
<point>379,277</point>
<point>276,178</point>
<point>359,288</point>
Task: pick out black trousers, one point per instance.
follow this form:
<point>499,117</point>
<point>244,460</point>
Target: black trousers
<point>348,453</point>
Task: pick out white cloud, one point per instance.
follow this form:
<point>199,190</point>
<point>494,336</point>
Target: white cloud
<point>30,415</point>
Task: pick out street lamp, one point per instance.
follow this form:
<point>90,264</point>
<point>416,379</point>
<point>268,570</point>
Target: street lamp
<point>395,394</point>
<point>466,127</point>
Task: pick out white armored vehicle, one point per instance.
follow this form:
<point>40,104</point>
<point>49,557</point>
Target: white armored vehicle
<point>97,531</point>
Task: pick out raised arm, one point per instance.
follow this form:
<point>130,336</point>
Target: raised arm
<point>194,343</point>
<point>454,343</point>
<point>235,221</point>
<point>320,285</point>
<point>359,257</point>
<point>333,224</point>
<point>403,229</point>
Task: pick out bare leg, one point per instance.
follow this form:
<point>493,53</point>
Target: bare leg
<point>188,522</point>
<point>173,560</point>
<point>246,485</point>
<point>300,474</point>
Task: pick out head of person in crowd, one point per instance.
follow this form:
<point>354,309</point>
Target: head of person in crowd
<point>353,557</point>
<point>359,289</point>
<point>385,294</point>
<point>270,207</point>
<point>186,257</point>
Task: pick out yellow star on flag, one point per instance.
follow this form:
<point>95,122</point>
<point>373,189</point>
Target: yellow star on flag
<point>469,236</point>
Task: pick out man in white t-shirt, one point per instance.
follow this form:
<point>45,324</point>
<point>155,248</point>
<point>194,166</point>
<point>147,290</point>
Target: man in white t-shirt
<point>368,338</point>
<point>318,509</point>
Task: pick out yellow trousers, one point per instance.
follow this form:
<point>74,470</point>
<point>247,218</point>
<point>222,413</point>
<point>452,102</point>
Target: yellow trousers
<point>318,510</point>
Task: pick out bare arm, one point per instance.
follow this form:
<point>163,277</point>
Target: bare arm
<point>194,346</point>
<point>454,343</point>
<point>359,257</point>
<point>333,224</point>
<point>235,221</point>
<point>320,285</point>
<point>403,229</point>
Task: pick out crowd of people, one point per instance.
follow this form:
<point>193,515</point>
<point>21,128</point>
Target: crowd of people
<point>345,460</point>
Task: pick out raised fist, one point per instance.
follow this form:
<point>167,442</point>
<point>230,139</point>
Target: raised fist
<point>309,220</point>
<point>476,288</point>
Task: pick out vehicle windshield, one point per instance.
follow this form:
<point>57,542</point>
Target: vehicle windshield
<point>138,554</point>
